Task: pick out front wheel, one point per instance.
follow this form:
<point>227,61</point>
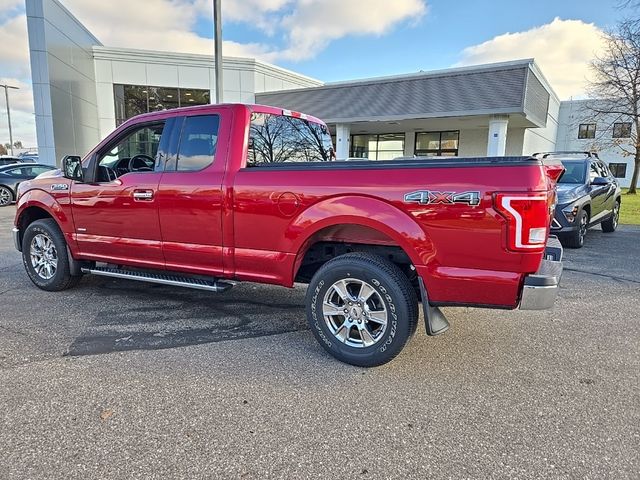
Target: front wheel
<point>611,223</point>
<point>362,309</point>
<point>576,238</point>
<point>45,257</point>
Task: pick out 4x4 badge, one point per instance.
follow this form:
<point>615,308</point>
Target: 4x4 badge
<point>430,197</point>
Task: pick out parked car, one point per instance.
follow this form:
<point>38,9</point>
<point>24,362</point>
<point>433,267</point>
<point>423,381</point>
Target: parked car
<point>201,197</point>
<point>12,175</point>
<point>588,194</point>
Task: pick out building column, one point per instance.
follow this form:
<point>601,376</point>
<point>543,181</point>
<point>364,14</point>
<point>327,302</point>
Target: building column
<point>497,141</point>
<point>343,141</point>
<point>409,143</point>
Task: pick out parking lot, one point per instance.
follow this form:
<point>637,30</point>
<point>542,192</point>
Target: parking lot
<point>130,380</point>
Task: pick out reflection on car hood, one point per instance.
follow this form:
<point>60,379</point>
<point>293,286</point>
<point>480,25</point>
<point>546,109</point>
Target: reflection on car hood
<point>570,191</point>
<point>50,173</point>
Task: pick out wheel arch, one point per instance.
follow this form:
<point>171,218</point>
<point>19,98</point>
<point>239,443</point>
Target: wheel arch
<point>37,204</point>
<point>362,221</point>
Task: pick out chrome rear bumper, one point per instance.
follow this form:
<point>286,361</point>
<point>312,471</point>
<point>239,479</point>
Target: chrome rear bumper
<point>541,288</point>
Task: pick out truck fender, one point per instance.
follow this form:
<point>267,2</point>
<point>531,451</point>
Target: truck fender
<point>364,211</point>
<point>44,201</point>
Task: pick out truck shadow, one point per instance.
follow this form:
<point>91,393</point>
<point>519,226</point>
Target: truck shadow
<point>138,316</point>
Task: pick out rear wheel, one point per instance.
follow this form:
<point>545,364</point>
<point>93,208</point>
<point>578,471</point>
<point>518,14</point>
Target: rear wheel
<point>611,223</point>
<point>6,196</point>
<point>576,238</point>
<point>362,309</point>
<point>45,257</point>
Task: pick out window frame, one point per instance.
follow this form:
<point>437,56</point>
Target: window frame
<point>176,143</point>
<point>587,131</point>
<point>621,125</point>
<point>377,140</point>
<point>253,165</point>
<point>97,157</point>
<point>438,152</point>
<point>614,171</point>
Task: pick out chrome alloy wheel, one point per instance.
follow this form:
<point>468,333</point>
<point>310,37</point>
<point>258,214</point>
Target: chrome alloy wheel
<point>5,196</point>
<point>616,215</point>
<point>355,313</point>
<point>44,256</point>
<point>584,220</point>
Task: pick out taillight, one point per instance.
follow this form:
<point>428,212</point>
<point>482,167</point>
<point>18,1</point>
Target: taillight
<point>527,217</point>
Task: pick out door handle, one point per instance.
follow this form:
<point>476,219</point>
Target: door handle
<point>143,195</point>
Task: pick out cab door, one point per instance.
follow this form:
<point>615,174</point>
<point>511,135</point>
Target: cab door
<point>115,212</point>
<point>597,192</point>
<point>190,196</point>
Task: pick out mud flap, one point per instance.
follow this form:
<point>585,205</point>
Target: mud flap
<point>434,320</point>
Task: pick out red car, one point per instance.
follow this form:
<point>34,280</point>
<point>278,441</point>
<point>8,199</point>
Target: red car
<point>201,197</point>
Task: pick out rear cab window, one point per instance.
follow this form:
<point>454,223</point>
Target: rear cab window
<point>276,139</point>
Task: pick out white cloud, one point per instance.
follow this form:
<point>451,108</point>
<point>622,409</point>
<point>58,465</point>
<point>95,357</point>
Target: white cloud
<point>562,48</point>
<point>315,23</point>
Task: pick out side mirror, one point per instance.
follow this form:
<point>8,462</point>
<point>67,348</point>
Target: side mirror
<point>600,181</point>
<point>72,167</point>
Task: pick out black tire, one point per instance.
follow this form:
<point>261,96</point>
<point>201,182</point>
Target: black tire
<point>389,290</point>
<point>575,239</point>
<point>611,223</point>
<point>47,230</point>
<point>6,196</point>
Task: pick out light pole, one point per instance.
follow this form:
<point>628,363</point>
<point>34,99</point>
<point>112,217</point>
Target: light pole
<point>6,96</point>
<point>217,40</point>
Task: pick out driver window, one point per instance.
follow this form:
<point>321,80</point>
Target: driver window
<point>136,152</point>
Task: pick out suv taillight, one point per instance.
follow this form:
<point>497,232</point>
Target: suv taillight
<point>527,217</point>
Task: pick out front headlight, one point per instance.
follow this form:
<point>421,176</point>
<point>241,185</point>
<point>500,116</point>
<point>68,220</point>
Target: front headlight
<point>570,212</point>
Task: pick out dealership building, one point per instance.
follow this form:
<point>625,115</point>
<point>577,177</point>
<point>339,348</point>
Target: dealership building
<point>84,89</point>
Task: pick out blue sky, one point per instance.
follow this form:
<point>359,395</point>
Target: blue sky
<point>333,40</point>
<point>434,42</point>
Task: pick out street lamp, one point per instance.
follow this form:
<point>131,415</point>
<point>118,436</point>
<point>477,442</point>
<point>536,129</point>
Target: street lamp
<point>217,40</point>
<point>6,96</point>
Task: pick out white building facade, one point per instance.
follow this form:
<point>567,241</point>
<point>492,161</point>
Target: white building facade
<point>611,136</point>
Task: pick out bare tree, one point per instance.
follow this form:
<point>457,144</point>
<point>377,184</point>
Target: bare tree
<point>615,88</point>
<point>3,150</point>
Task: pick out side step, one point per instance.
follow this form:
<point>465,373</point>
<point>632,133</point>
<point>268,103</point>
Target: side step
<point>164,279</point>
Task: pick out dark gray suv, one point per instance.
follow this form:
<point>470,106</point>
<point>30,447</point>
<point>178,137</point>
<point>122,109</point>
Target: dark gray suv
<point>588,194</point>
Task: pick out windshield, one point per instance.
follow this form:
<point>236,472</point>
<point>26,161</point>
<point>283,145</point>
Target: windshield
<point>575,171</point>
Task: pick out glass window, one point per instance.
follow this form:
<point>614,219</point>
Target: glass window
<point>163,98</point>
<point>386,146</point>
<point>280,138</point>
<point>619,170</point>
<point>142,141</point>
<point>587,130</point>
<point>390,146</point>
<point>132,100</point>
<point>441,144</point>
<point>198,142</point>
<point>622,130</point>
<point>574,171</point>
<point>194,97</point>
<point>594,171</point>
<point>364,146</point>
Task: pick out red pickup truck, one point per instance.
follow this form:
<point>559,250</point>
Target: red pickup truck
<point>202,197</point>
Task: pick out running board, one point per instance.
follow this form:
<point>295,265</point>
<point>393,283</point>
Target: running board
<point>164,279</point>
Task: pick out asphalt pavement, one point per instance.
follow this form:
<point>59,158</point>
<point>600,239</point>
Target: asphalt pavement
<point>121,379</point>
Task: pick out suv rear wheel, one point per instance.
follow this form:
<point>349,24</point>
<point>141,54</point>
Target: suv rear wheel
<point>611,223</point>
<point>362,309</point>
<point>45,257</point>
